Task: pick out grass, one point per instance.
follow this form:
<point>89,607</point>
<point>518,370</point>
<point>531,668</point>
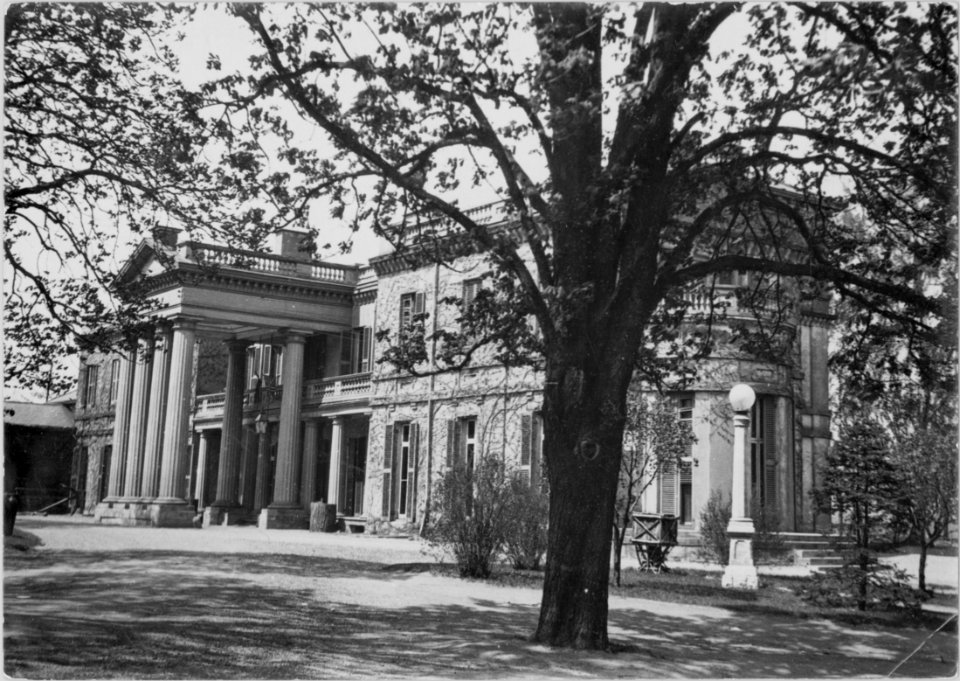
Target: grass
<point>777,595</point>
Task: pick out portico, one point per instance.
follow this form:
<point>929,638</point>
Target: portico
<point>250,453</point>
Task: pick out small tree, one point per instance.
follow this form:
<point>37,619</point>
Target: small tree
<point>926,465</point>
<point>653,439</point>
<point>714,518</point>
<point>861,489</point>
<point>525,541</point>
<point>471,511</point>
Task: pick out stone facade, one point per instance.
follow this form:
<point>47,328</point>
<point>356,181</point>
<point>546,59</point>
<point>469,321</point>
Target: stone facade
<point>314,417</point>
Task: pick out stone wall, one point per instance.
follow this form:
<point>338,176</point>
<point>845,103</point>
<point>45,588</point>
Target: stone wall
<point>94,426</point>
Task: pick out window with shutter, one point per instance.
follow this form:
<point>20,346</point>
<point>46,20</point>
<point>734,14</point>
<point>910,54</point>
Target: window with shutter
<point>387,489</point>
<point>536,449</point>
<point>683,494</point>
<point>266,360</point>
<point>114,381</point>
<point>402,468</point>
<point>90,387</point>
<point>763,450</point>
<point>346,353</point>
<point>770,454</point>
<point>412,471</point>
<point>360,361</point>
<point>531,447</point>
<point>453,442</point>
<point>668,488</point>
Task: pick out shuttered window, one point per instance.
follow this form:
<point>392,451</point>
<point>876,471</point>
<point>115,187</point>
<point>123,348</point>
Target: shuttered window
<point>763,451</point>
<point>401,450</point>
<point>346,353</point>
<point>387,489</point>
<point>668,488</point>
<point>531,447</point>
<point>676,477</point>
<point>114,381</point>
<point>90,386</point>
<point>469,294</point>
<point>362,349</point>
<point>411,305</point>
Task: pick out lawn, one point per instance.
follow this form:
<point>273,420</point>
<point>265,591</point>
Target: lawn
<point>75,614</point>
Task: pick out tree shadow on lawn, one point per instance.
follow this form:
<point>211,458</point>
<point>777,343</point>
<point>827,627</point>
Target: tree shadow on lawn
<point>174,615</point>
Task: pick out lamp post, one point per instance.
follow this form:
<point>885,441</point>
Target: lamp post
<point>740,572</point>
<point>260,490</point>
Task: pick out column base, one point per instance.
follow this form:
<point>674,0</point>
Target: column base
<point>284,518</point>
<point>136,513</point>
<point>224,515</point>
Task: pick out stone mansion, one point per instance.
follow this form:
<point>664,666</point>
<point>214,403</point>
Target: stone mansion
<point>257,391</point>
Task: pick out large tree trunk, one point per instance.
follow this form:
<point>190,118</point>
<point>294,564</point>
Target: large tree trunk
<point>584,420</point>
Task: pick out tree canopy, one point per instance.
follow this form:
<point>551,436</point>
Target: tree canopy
<point>641,154</point>
<point>101,142</point>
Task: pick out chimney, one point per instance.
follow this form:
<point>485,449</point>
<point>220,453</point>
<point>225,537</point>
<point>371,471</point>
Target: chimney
<point>165,236</point>
<point>293,244</point>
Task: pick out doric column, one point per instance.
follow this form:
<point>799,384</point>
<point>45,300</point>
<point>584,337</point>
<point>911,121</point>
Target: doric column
<point>201,478</point>
<point>286,486</point>
<point>336,455</point>
<point>308,471</point>
<point>228,474</point>
<point>121,427</point>
<point>139,407</point>
<point>155,416</point>
<point>173,462</point>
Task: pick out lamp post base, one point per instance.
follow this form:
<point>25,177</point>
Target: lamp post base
<point>740,572</point>
<point>740,577</point>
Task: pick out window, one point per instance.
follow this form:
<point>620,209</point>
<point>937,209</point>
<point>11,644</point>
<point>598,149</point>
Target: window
<point>104,480</point>
<point>531,447</point>
<point>676,479</point>
<point>90,386</point>
<point>469,294</point>
<point>763,450</point>
<point>400,470</point>
<point>469,429</point>
<point>267,360</point>
<point>463,446</point>
<point>253,366</point>
<point>362,350</point>
<point>114,381</point>
<point>411,305</point>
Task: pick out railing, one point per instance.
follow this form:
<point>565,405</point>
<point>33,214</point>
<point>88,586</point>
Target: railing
<point>723,301</point>
<point>222,256</point>
<point>340,387</point>
<point>208,405</point>
<point>323,390</point>
<point>441,225</point>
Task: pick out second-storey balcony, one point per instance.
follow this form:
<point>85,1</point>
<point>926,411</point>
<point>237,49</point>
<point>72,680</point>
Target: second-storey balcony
<point>336,391</point>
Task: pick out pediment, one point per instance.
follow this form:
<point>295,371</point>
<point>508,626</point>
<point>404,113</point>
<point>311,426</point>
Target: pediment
<point>146,261</point>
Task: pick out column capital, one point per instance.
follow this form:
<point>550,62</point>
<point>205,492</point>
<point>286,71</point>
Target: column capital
<point>183,323</point>
<point>237,345</point>
<point>293,336</point>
